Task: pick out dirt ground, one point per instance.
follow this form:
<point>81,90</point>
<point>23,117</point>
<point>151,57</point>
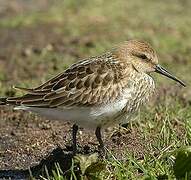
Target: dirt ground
<point>26,140</point>
<point>33,50</point>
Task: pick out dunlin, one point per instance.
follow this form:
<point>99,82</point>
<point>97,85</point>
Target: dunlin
<point>98,91</point>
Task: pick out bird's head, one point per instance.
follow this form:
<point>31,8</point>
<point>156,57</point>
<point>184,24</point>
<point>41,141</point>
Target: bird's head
<point>142,58</point>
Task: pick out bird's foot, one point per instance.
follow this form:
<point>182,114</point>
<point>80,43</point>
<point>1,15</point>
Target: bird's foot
<point>103,153</point>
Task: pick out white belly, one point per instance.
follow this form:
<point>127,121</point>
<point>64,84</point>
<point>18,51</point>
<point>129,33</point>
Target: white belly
<point>88,117</point>
<point>105,115</point>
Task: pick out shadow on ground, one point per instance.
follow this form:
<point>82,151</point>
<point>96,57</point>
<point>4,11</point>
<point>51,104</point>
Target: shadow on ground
<point>63,162</point>
<point>62,157</point>
<point>29,55</point>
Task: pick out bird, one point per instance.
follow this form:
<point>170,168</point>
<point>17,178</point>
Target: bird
<point>97,92</point>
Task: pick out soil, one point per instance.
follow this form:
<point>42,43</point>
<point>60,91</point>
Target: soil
<point>31,142</point>
<point>26,140</point>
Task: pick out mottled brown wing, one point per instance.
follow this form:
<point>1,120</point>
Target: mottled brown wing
<point>89,82</point>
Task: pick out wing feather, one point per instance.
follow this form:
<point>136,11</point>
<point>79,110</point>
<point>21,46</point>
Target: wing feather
<point>33,91</point>
<point>86,83</point>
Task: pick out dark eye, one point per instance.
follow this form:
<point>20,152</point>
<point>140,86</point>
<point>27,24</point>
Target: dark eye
<point>142,56</point>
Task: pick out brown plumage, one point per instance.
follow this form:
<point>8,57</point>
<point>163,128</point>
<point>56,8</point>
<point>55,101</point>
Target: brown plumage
<point>98,91</point>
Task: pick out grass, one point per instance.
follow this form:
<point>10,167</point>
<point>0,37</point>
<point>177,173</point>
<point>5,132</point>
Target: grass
<point>166,123</point>
<point>162,161</point>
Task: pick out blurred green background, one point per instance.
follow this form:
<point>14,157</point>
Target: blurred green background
<point>39,39</point>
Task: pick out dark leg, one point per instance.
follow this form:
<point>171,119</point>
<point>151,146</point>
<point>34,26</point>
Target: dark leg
<point>98,135</point>
<point>74,133</point>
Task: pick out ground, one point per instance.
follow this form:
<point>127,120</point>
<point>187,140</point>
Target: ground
<point>39,39</point>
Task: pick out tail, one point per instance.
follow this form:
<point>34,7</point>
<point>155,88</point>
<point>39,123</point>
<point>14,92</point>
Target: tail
<point>3,101</point>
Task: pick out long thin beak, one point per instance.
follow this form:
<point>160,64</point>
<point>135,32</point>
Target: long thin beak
<point>159,69</point>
